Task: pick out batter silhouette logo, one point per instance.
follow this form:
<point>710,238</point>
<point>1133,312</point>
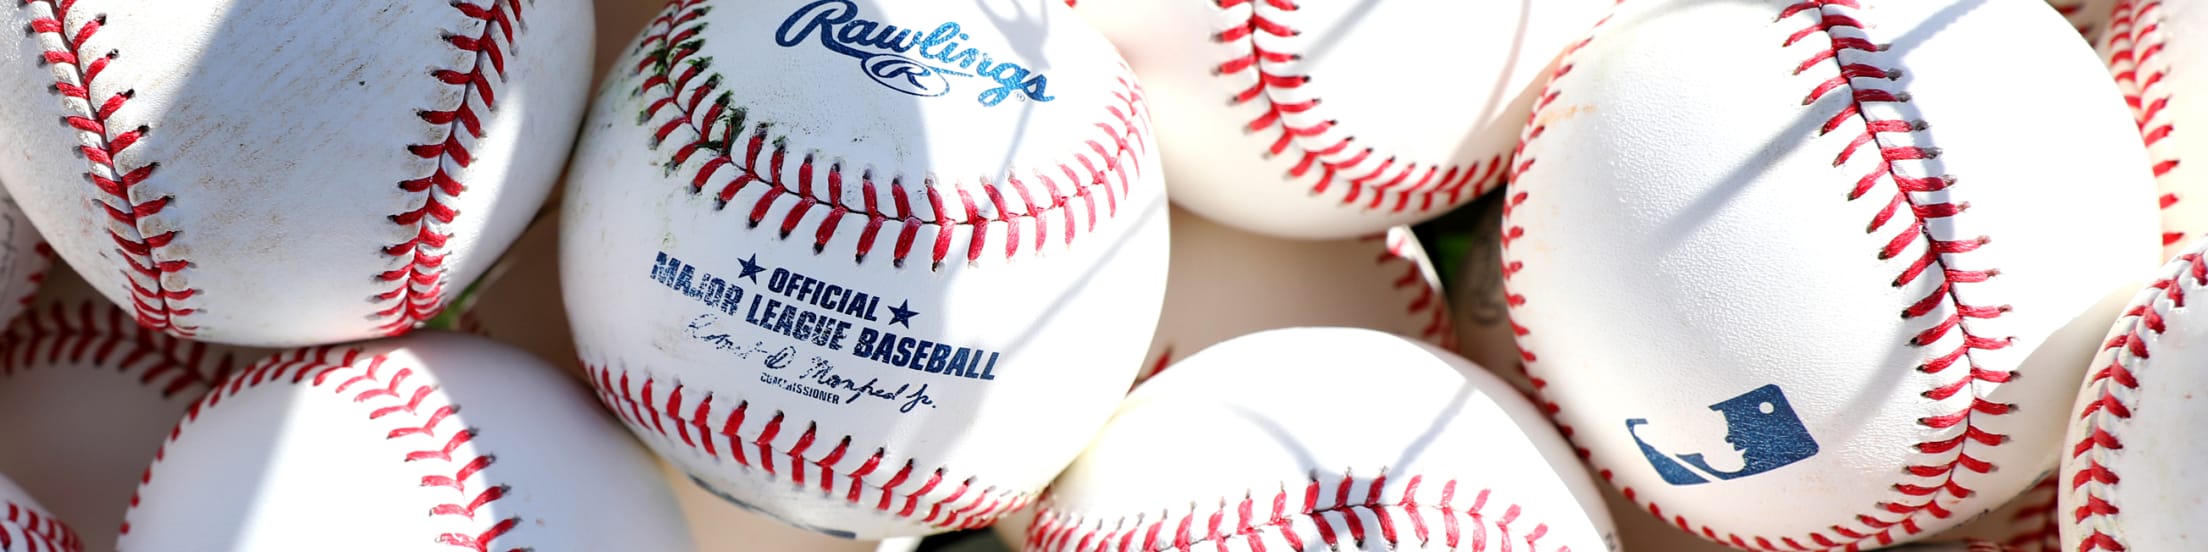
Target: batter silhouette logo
<point>1760,424</point>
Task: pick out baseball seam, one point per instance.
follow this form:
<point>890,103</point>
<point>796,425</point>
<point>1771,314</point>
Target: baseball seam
<point>821,181</point>
<point>39,532</point>
<point>1427,301</point>
<point>384,394</point>
<point>1323,152</point>
<point>2034,522</point>
<point>2111,390</point>
<point>418,287</point>
<point>91,333</point>
<point>147,277</point>
<point>1404,521</point>
<point>1856,57</point>
<point>645,410</point>
<point>2135,42</point>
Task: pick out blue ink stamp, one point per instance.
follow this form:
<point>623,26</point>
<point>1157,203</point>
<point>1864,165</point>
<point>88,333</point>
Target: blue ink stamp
<point>934,57</point>
<point>1760,424</point>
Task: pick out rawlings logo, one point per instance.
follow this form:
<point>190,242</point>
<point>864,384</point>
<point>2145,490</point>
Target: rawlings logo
<point>880,49</point>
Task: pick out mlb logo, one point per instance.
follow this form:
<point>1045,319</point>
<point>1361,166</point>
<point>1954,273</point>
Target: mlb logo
<point>1759,424</point>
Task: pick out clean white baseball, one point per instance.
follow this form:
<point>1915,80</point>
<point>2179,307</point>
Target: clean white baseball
<point>874,268</point>
<point>2134,429</point>
<point>26,527</point>
<point>1320,120</point>
<point>1825,254</point>
<point>1224,283</point>
<point>85,398</point>
<point>423,442</point>
<point>288,173</point>
<point>1325,439</point>
<point>2145,40</point>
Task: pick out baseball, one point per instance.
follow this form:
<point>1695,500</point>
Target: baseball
<point>1317,120</point>
<point>25,259</point>
<point>2121,488</point>
<point>26,527</point>
<point>875,269</point>
<point>288,173</point>
<point>85,398</point>
<point>403,444</point>
<point>1820,254</point>
<point>1404,447</point>
<point>2145,39</point>
<point>2089,16</point>
<point>1224,283</point>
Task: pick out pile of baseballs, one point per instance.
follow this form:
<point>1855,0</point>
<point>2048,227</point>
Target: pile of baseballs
<point>1101,275</point>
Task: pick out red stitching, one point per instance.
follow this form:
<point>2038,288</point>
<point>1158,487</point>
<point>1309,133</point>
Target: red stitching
<point>2134,47</point>
<point>74,76</point>
<point>92,333</point>
<point>37,278</point>
<point>730,139</point>
<point>1324,153</point>
<point>694,426</point>
<point>384,391</point>
<point>1856,60</point>
<point>1428,303</point>
<point>1329,508</point>
<point>2139,322</point>
<point>40,532</point>
<point>2034,521</point>
<point>419,286</point>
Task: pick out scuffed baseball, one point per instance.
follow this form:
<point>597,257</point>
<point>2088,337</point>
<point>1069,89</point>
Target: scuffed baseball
<point>1825,255</point>
<point>423,442</point>
<point>86,397</point>
<point>1325,439</point>
<point>288,173</point>
<point>27,527</point>
<point>1224,283</point>
<point>2151,47</point>
<point>1330,120</point>
<point>2090,17</point>
<point>2125,479</point>
<point>823,259</point>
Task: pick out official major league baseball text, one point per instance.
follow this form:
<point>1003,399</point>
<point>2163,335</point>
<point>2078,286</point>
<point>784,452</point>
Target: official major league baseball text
<point>873,303</point>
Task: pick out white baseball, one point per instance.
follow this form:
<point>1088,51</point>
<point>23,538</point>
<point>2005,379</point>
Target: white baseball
<point>27,527</point>
<point>2135,427</point>
<point>1822,253</point>
<point>85,398</point>
<point>1224,283</point>
<point>423,442</point>
<point>288,173</point>
<point>2028,523</point>
<point>1325,439</point>
<point>874,268</point>
<point>2145,41</point>
<point>25,259</point>
<point>717,525</point>
<point>1321,120</point>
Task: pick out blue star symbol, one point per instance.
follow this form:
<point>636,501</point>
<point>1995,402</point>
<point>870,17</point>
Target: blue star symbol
<point>902,313</point>
<point>751,268</point>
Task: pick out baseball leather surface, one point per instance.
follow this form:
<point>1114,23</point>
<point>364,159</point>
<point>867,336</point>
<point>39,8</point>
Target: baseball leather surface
<point>1325,439</point>
<point>26,527</point>
<point>425,442</point>
<point>873,268</point>
<point>1827,282</point>
<point>2124,483</point>
<point>2145,41</point>
<point>287,173</point>
<point>85,397</point>
<point>1317,120</point>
